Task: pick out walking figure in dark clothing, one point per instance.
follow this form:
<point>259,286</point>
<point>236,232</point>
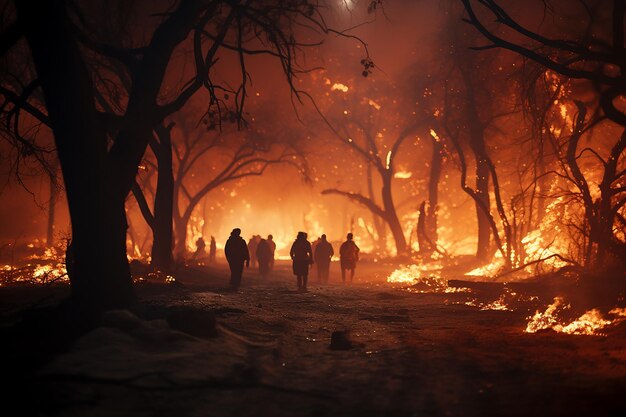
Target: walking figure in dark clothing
<point>237,254</point>
<point>302,257</point>
<point>270,241</point>
<point>200,249</point>
<point>252,245</point>
<point>264,257</point>
<point>212,251</point>
<point>322,254</point>
<point>348,257</point>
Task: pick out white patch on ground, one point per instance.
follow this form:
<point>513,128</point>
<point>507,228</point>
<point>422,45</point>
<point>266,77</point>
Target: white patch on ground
<point>149,354</point>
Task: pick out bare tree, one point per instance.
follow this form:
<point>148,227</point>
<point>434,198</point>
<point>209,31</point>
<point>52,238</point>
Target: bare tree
<point>360,136</point>
<point>216,158</point>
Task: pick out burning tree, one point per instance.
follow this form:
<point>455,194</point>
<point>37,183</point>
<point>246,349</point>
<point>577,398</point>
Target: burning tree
<point>593,57</point>
<point>474,101</point>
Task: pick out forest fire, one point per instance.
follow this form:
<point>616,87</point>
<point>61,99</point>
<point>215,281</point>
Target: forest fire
<point>313,207</point>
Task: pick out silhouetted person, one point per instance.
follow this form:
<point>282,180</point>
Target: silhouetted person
<point>322,254</point>
<point>302,257</point>
<point>200,246</point>
<point>252,244</point>
<point>313,245</point>
<point>212,250</point>
<point>237,254</point>
<point>270,241</point>
<point>264,255</point>
<point>348,257</point>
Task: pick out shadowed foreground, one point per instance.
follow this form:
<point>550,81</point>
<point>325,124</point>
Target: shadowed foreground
<point>406,354</point>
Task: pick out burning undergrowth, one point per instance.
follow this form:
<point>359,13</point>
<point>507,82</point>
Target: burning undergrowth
<point>421,278</point>
<point>37,266</point>
<point>543,295</point>
<point>560,317</point>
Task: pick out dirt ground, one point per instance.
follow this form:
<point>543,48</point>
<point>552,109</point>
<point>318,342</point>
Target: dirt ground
<point>411,354</point>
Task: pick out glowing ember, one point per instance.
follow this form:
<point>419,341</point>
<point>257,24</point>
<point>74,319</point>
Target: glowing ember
<point>501,304</point>
<point>340,87</point>
<point>403,175</point>
<point>434,135</point>
<point>498,305</point>
<point>452,290</point>
<point>373,104</point>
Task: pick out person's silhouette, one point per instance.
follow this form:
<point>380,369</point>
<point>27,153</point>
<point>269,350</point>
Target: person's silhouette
<point>264,255</point>
<point>322,254</point>
<point>348,257</point>
<point>237,254</point>
<point>270,241</point>
<point>200,246</point>
<point>302,257</point>
<point>212,250</point>
<point>252,244</point>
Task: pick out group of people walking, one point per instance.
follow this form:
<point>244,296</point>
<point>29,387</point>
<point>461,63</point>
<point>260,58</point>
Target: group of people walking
<point>262,253</point>
<point>200,252</point>
<point>303,254</point>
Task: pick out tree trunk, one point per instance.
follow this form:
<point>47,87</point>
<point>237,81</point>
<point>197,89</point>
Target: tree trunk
<point>52,201</point>
<point>477,144</point>
<point>425,248</point>
<point>543,189</point>
<point>97,264</point>
<point>162,231</point>
<point>391,217</point>
<point>379,224</point>
<point>180,231</point>
<point>433,193</point>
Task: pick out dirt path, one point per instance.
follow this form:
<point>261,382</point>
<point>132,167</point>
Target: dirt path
<point>412,355</point>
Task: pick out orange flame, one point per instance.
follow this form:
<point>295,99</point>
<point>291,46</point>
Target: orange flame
<point>589,323</point>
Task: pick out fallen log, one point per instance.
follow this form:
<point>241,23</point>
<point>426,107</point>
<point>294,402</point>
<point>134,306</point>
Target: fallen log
<point>477,285</point>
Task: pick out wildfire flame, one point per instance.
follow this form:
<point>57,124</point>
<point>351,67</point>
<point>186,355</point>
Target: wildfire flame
<point>542,249</point>
<point>589,323</point>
